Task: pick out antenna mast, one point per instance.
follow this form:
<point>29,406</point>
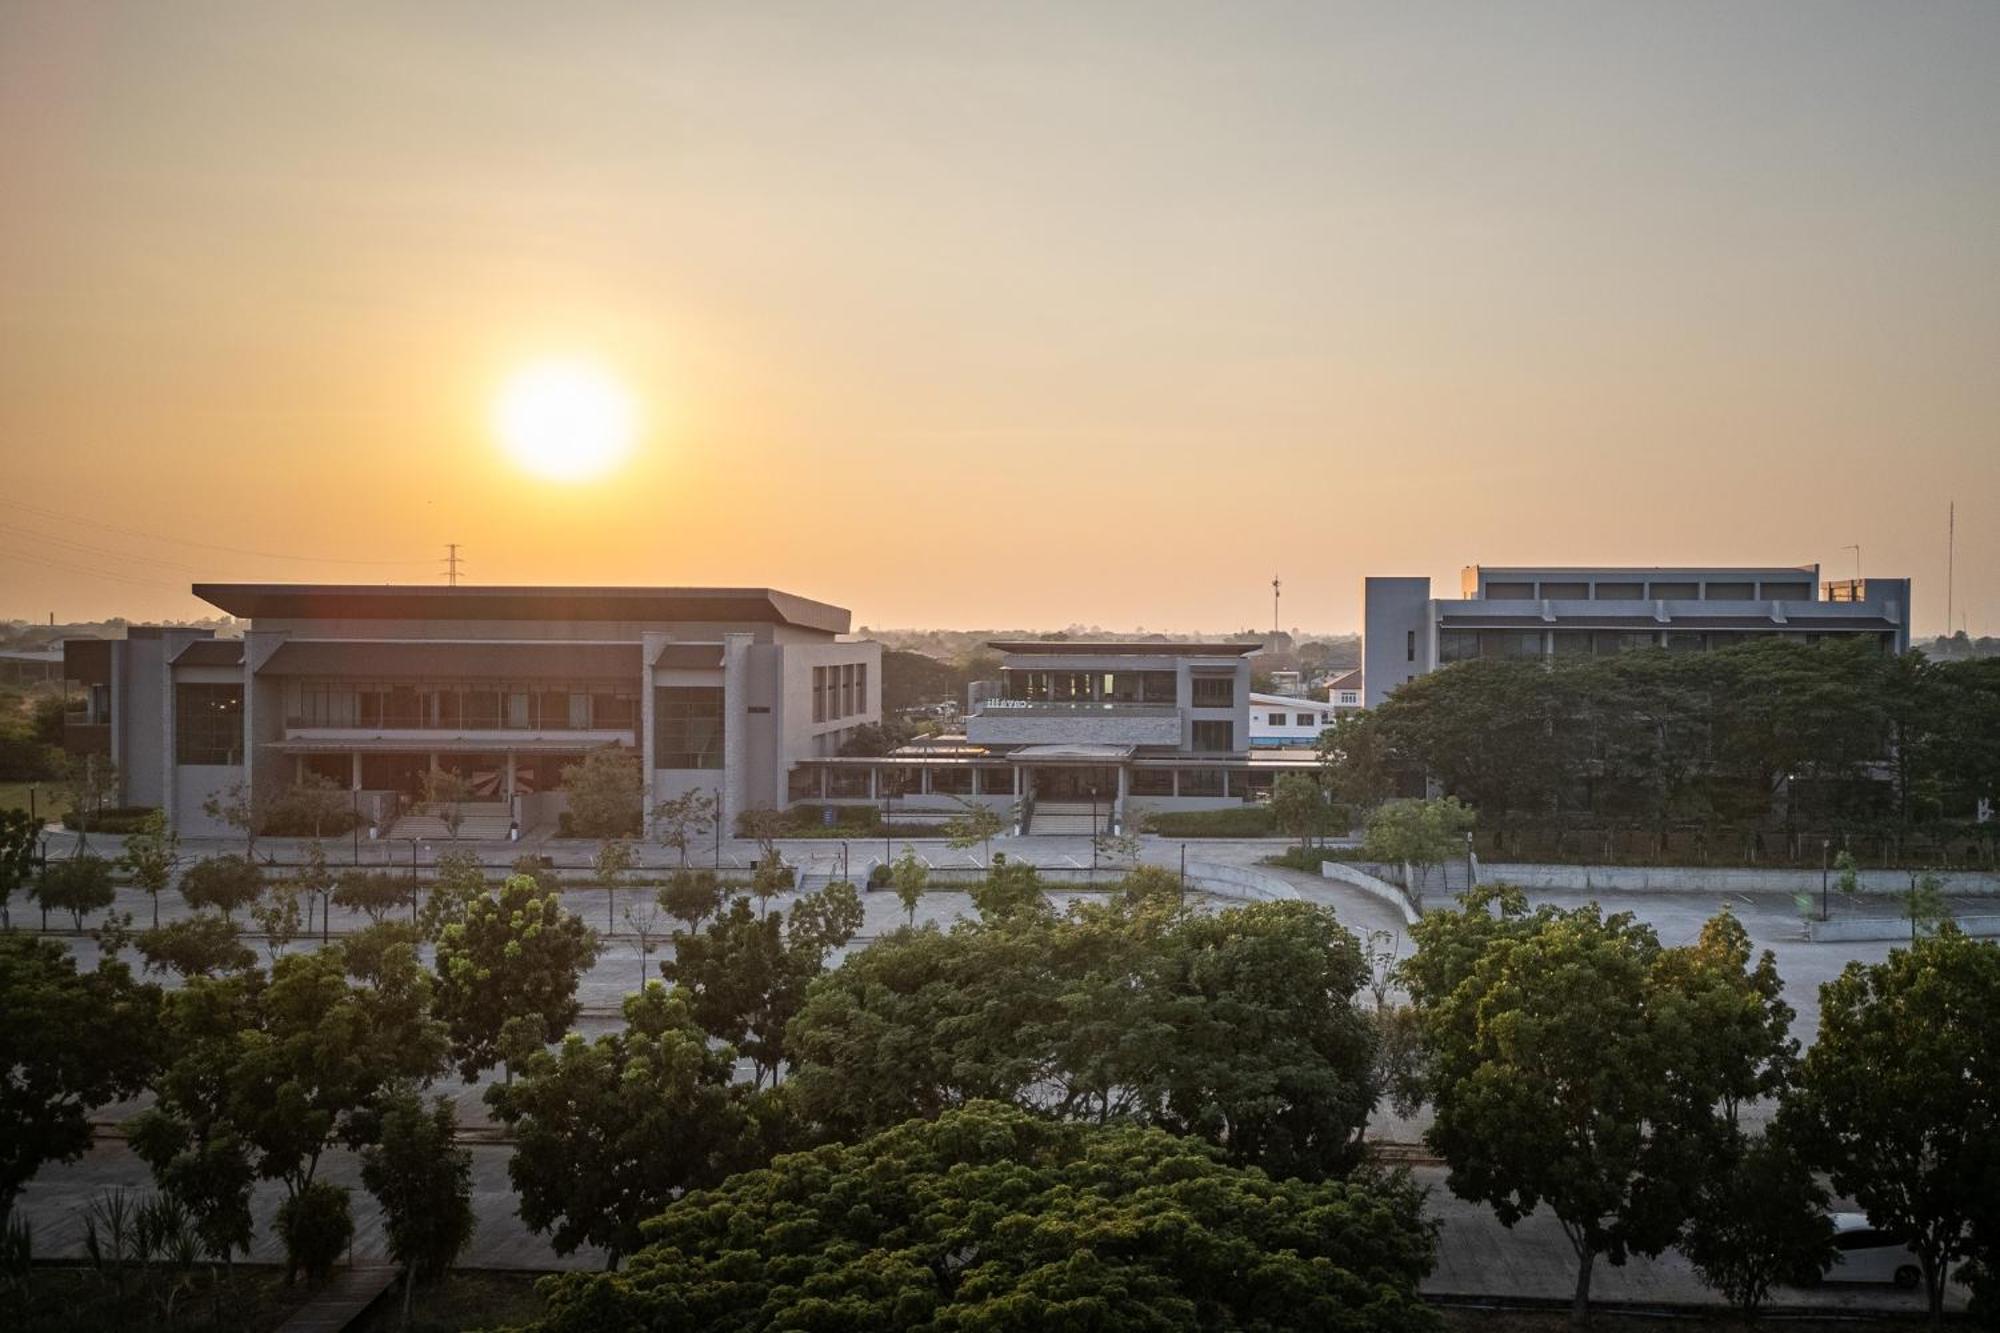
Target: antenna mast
<point>451,564</point>
<point>1274,606</point>
<point>1950,561</point>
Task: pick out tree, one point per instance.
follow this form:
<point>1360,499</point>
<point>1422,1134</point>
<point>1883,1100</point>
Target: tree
<point>202,945</point>
<point>72,1041</point>
<point>1299,807</point>
<point>222,882</point>
<point>1924,906</point>
<point>974,825</point>
<point>692,896</point>
<point>516,954</point>
<point>461,881</point>
<point>445,792</point>
<point>910,876</point>
<point>89,782</point>
<point>679,820</point>
<point>1759,1217</point>
<point>277,915</point>
<point>241,806</point>
<point>1011,890</point>
<point>609,1132</point>
<point>374,893</point>
<point>1420,834</point>
<point>150,857</point>
<point>1899,1097</point>
<point>605,793</point>
<point>1355,755</point>
<point>311,805</point>
<point>20,841</point>
<point>614,860</point>
<point>643,920</point>
<point>1567,1063</point>
<point>919,1228</point>
<point>79,886</point>
<point>423,1181</point>
<point>315,880</point>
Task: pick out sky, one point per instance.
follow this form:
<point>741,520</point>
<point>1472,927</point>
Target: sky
<point>1008,315</point>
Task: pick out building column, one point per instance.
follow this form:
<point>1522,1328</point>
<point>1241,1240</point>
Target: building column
<point>1124,790</point>
<point>735,727</point>
<point>354,771</point>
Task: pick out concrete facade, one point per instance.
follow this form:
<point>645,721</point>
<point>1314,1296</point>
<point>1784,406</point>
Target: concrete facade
<point>372,688</point>
<point>1556,611</point>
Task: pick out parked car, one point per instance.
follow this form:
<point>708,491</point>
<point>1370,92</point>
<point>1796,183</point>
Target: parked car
<point>1865,1252</point>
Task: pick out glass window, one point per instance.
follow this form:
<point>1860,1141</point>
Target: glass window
<point>1729,592</point>
<point>1277,719</point>
<point>1620,592</point>
<point>1510,592</point>
<point>1457,645</point>
<point>955,780</point>
<point>687,726</point>
<point>1623,641</point>
<point>1410,645</point>
<point>1566,592</point>
<point>1214,737</point>
<point>614,710</point>
<point>1572,642</point>
<point>845,782</point>
<point>1680,592</point>
<point>1685,641</point>
<point>1214,691</point>
<point>1306,719</point>
<point>1788,592</point>
<point>1201,782</point>
<point>802,784</point>
<point>860,687</point>
<point>996,781</point>
<point>1510,643</point>
<point>481,708</point>
<point>208,724</point>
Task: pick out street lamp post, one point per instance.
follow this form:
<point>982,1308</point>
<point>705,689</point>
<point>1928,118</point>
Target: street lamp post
<point>843,862</point>
<point>355,792</point>
<point>1825,846</point>
<point>1093,834</point>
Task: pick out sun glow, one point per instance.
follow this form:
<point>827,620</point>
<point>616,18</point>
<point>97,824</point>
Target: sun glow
<point>565,420</point>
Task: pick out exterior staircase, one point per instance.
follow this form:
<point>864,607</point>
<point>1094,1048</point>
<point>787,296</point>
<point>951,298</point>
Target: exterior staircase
<point>478,820</point>
<point>1071,818</point>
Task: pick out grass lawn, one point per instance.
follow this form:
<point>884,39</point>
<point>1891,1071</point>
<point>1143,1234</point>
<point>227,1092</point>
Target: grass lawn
<point>466,1300</point>
<point>48,804</point>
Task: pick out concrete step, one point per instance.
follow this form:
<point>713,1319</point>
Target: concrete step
<point>432,828</point>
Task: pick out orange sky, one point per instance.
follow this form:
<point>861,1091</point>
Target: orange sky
<point>1000,315</point>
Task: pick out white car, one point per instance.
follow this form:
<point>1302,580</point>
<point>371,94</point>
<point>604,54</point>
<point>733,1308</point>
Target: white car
<point>1868,1253</point>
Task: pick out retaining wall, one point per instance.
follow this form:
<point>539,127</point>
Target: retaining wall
<point>1842,930</point>
<point>1343,873</point>
<point>1712,879</point>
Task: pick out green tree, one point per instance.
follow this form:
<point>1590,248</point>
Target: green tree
<point>312,805</point>
<point>605,793</point>
<point>1759,1217</point>
<point>460,882</point>
<point>1899,1097</point>
<point>423,1180</point>
<point>918,1228</point>
<point>680,821</point>
<point>72,1041</point>
<point>692,896</point>
<point>150,857</point>
<point>316,881</point>
<point>1299,807</point>
<point>614,860</point>
<point>205,944</point>
<point>277,915</point>
<point>20,841</point>
<point>222,882</point>
<point>87,783</point>
<point>445,792</point>
<point>910,876</point>
<point>1011,891</point>
<point>242,807</point>
<point>1567,1064</point>
<point>374,893</point>
<point>1419,834</point>
<point>974,825</point>
<point>1924,905</point>
<point>516,954</point>
<point>609,1132</point>
<point>79,886</point>
<point>1355,755</point>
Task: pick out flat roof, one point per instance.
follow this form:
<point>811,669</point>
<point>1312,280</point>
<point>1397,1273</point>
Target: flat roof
<point>362,601</point>
<point>1089,648</point>
<point>1615,571</point>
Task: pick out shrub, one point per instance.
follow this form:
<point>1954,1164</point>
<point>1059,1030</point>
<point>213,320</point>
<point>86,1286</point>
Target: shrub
<point>1243,821</point>
<point>222,882</point>
<point>115,819</point>
<point>286,821</point>
<point>316,1225</point>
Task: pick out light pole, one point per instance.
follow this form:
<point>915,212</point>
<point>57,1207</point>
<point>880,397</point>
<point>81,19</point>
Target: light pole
<point>1825,846</point>
<point>1093,833</point>
<point>355,792</point>
<point>1471,872</point>
<point>843,862</point>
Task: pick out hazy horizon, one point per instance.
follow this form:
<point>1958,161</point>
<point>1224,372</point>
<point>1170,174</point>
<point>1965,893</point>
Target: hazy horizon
<point>958,316</point>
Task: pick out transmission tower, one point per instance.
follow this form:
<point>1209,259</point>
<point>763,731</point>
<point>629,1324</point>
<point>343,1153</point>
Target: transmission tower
<point>451,564</point>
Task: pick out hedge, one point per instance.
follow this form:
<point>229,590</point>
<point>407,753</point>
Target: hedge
<point>1244,821</point>
<point>117,819</point>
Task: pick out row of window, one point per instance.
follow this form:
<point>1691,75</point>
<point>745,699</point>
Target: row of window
<point>208,724</point>
<point>1124,687</point>
<point>1679,590</point>
<point>839,691</point>
<point>541,706</point>
<point>853,783</point>
<point>687,726</point>
<point>1302,719</point>
<point>1462,645</point>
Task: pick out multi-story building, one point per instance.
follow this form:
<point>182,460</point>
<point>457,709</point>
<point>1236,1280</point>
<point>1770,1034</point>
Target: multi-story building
<point>373,687</point>
<point>1288,722</point>
<point>1073,735</point>
<point>1536,611</point>
<point>1344,692</point>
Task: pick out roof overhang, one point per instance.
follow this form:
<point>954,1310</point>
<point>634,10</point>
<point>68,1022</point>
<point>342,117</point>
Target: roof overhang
<point>329,601</point>
<point>448,659</point>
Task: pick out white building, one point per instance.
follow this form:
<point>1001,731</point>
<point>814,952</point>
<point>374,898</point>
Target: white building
<point>1288,722</point>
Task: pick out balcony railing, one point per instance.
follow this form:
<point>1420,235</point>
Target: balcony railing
<point>1072,708</point>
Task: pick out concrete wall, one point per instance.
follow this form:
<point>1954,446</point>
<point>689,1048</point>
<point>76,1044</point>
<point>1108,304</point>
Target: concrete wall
<point>1382,890</point>
<point>1393,609</point>
<point>195,783</point>
<point>1846,930</point>
<point>1230,881</point>
<point>1702,879</point>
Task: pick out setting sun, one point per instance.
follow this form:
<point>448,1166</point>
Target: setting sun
<point>566,420</point>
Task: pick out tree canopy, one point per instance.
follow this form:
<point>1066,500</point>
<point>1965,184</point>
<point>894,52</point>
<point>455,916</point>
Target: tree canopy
<point>516,955</point>
<point>989,1217</point>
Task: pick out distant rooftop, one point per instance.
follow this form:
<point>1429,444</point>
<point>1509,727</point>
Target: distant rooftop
<point>1091,648</point>
<point>327,601</point>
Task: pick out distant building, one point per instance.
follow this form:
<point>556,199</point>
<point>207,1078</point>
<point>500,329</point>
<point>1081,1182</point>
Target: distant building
<point>372,688</point>
<point>1345,692</point>
<point>1538,611</point>
<point>1292,684</point>
<point>1287,722</point>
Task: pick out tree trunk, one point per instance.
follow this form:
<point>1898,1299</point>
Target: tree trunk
<point>1579,1306</point>
<point>409,1285</point>
<point>1933,1289</point>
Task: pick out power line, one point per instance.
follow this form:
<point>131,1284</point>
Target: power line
<point>93,573</point>
<point>206,546</point>
<point>85,548</point>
